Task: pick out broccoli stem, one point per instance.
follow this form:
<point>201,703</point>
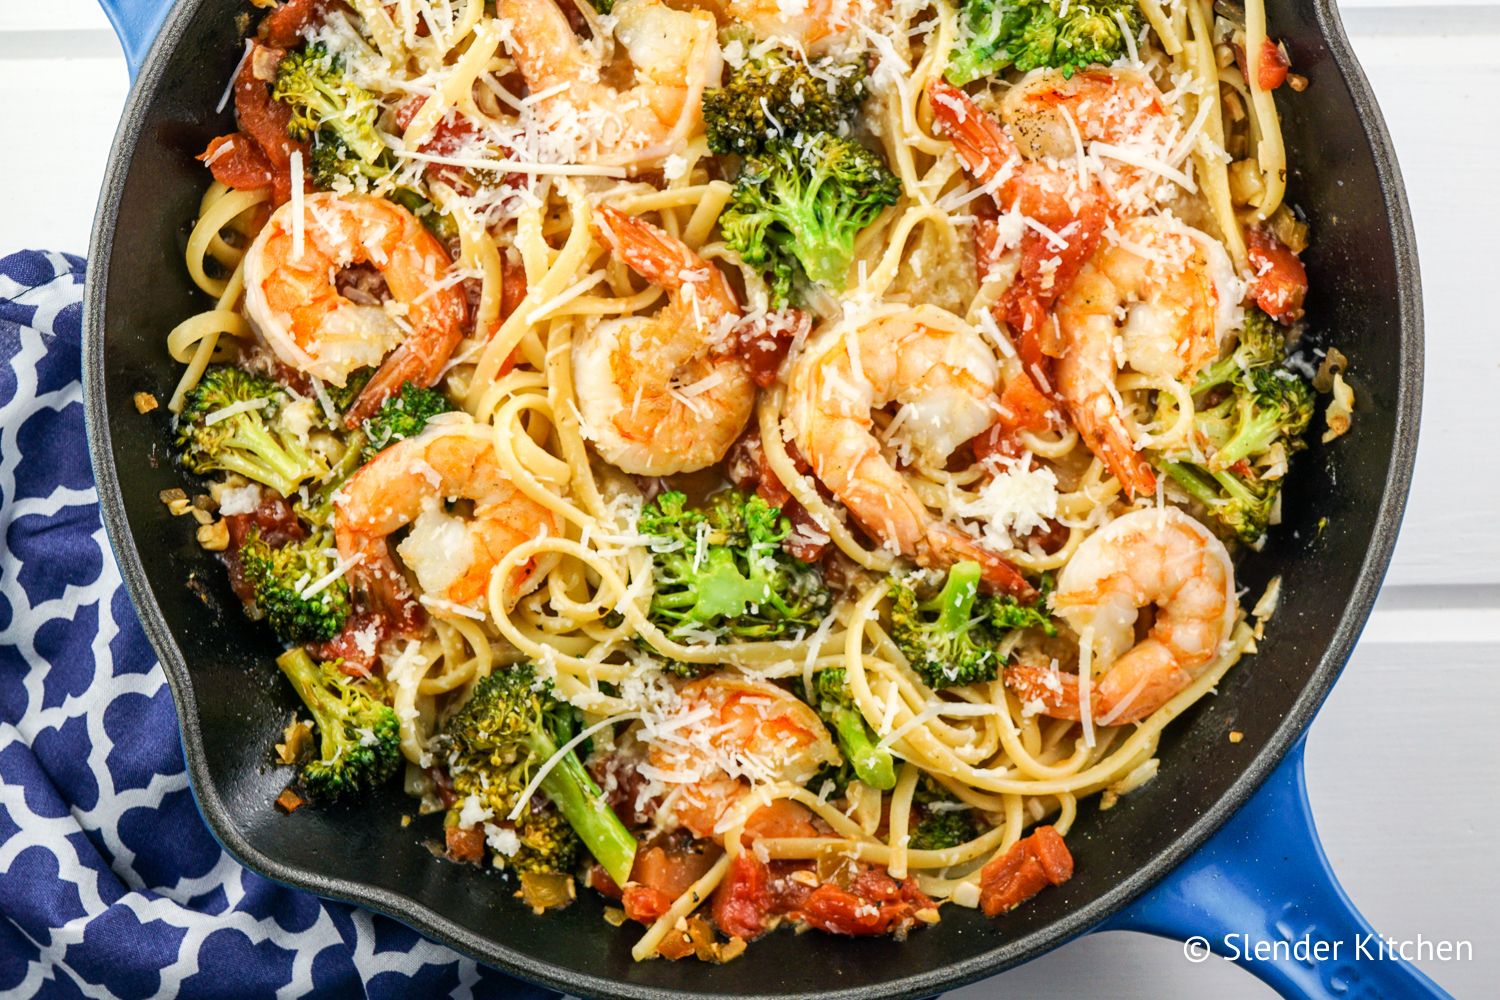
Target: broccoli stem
<point>872,765</point>
<point>1193,483</point>
<point>303,672</point>
<point>279,468</point>
<point>1254,436</point>
<point>582,804</point>
<point>955,602</point>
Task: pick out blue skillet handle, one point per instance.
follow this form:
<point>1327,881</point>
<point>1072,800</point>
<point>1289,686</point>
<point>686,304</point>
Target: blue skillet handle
<point>137,22</point>
<point>1261,894</point>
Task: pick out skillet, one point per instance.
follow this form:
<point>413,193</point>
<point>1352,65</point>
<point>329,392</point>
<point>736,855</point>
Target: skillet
<point>1262,874</point>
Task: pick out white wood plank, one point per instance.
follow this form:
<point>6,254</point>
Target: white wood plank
<point>1445,125</point>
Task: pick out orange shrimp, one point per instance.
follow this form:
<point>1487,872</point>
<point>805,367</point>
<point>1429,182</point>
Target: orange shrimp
<point>293,301</point>
<point>735,730</point>
<point>1073,219</point>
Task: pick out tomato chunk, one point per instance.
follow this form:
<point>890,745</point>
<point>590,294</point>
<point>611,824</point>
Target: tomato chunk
<point>1031,864</point>
<point>741,902</point>
<point>1279,283</point>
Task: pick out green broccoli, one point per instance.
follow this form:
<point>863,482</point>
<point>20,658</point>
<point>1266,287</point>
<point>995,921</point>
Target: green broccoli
<point>777,94</point>
<point>291,589</point>
<point>952,638</point>
<point>359,736</point>
<point>332,112</point>
<point>403,415</point>
<point>724,572</point>
<point>1068,35</point>
<point>798,206</point>
<point>873,764</point>
<point>228,424</point>
<point>1261,345</point>
<point>938,831</point>
<point>493,746</point>
<point>1251,414</point>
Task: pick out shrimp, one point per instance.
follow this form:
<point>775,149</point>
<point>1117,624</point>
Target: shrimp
<point>1164,292</point>
<point>1046,110</point>
<point>731,731</point>
<point>292,300</point>
<point>1066,220</point>
<point>1161,558</point>
<point>451,556</point>
<point>807,23</point>
<point>943,375</point>
<point>674,54</point>
<point>661,395</point>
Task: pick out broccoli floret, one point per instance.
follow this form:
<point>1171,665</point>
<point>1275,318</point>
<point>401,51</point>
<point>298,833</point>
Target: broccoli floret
<point>724,571</point>
<point>938,831</point>
<point>359,736</point>
<point>778,95</point>
<point>1259,419</point>
<point>493,746</point>
<point>283,579</point>
<point>943,638</point>
<point>1261,345</point>
<point>403,415</point>
<point>799,204</point>
<point>246,440</point>
<point>873,764</point>
<point>1068,35</point>
<point>329,110</point>
<point>951,639</point>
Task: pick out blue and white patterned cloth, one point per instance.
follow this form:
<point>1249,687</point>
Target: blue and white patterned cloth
<point>110,883</point>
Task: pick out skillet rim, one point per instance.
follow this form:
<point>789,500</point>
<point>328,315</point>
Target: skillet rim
<point>1006,954</point>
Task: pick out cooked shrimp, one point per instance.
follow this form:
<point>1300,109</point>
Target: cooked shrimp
<point>293,301</point>
<point>942,373</point>
<point>661,394</point>
<point>806,23</point>
<point>730,731</point>
<point>1158,296</point>
<point>451,556</point>
<point>1161,558</point>
<point>1066,220</point>
<point>1046,110</point>
<point>674,55</point>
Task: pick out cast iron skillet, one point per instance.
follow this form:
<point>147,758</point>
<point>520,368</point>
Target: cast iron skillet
<point>231,704</point>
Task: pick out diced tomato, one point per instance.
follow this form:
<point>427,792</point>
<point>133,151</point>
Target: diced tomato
<point>1031,864</point>
<point>283,27</point>
<point>864,910</point>
<point>1273,65</point>
<point>750,471</point>
<point>645,904</point>
<point>1279,279</point>
<point>741,903</point>
<point>764,344</point>
<point>356,645</point>
<point>265,120</point>
<point>464,844</point>
<point>237,161</point>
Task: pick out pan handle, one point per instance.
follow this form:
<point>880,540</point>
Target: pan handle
<point>1261,893</point>
<point>137,23</point>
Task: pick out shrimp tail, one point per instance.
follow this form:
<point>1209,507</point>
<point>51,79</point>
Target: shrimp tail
<point>1109,440</point>
<point>420,364</point>
<point>945,546</point>
<point>653,253</point>
<point>981,143</point>
<point>1055,691</point>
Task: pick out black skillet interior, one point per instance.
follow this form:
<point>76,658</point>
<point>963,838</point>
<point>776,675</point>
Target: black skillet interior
<point>232,704</point>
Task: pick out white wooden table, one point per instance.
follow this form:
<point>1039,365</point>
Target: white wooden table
<point>1404,762</point>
